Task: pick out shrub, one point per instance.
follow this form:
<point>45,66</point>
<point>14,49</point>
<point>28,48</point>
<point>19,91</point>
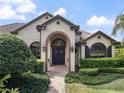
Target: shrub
<point>119,52</point>
<point>38,68</point>
<point>35,83</point>
<point>102,62</point>
<point>112,70</point>
<point>2,86</point>
<point>15,56</point>
<point>101,78</point>
<point>30,83</point>
<point>91,72</point>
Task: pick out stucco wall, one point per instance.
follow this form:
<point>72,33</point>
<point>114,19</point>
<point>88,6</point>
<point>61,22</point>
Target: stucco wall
<point>83,51</point>
<point>29,34</point>
<point>60,28</point>
<point>94,40</point>
<point>113,51</point>
<point>77,38</point>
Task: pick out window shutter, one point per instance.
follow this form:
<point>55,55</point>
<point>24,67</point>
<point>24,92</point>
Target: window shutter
<point>109,51</point>
<point>87,51</point>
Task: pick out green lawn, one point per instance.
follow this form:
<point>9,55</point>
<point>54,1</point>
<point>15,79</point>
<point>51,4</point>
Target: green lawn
<point>116,86</point>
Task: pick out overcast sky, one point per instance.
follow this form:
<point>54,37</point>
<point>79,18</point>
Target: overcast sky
<point>91,15</point>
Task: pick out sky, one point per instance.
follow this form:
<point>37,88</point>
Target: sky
<point>91,15</point>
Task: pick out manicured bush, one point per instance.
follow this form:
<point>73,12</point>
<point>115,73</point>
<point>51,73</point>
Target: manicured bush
<point>91,72</point>
<point>101,78</point>
<point>38,68</point>
<point>30,83</point>
<point>15,56</point>
<point>119,52</point>
<point>112,70</point>
<point>102,62</point>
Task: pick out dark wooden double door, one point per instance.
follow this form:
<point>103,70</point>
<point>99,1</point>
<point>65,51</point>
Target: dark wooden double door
<point>58,55</point>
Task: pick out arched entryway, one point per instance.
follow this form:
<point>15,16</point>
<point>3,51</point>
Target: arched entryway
<point>58,51</point>
<point>35,48</point>
<point>98,50</point>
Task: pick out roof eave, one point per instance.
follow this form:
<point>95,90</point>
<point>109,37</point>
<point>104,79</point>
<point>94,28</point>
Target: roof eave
<point>72,26</point>
<point>18,29</point>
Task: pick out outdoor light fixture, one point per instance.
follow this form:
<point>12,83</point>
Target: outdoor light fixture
<point>72,48</point>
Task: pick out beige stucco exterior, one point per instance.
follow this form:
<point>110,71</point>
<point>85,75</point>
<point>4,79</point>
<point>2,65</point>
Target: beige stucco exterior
<point>65,31</point>
<point>94,40</point>
<point>29,34</point>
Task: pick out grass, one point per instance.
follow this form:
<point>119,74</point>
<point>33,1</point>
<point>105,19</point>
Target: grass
<point>116,86</point>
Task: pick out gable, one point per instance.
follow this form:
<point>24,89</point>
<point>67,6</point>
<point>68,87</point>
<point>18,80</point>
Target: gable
<point>62,26</point>
<point>58,19</point>
<point>41,19</point>
<point>100,33</point>
<point>98,38</point>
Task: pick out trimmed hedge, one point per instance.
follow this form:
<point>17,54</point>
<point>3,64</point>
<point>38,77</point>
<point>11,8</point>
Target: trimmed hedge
<point>35,83</point>
<point>101,78</point>
<point>38,68</point>
<point>96,71</point>
<point>112,70</point>
<point>88,71</point>
<point>119,52</point>
<point>30,83</point>
<point>15,56</point>
<point>102,62</point>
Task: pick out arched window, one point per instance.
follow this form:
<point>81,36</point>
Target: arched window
<point>58,43</point>
<point>35,48</point>
<point>98,50</point>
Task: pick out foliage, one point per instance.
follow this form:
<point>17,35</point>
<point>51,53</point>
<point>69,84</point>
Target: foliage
<point>96,71</point>
<point>101,78</point>
<point>119,24</point>
<point>2,86</point>
<point>119,27</point>
<point>14,90</point>
<point>102,62</point>
<point>112,70</point>
<point>89,71</point>
<point>15,56</point>
<point>30,83</point>
<point>38,68</point>
<point>119,52</point>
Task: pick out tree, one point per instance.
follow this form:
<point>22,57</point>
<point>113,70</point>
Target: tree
<point>119,26</point>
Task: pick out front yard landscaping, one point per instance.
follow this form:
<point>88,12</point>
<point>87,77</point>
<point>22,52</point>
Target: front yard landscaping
<point>20,72</point>
<point>105,75</point>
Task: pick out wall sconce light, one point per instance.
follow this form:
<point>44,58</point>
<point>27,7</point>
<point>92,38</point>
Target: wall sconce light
<point>44,47</point>
<point>72,48</point>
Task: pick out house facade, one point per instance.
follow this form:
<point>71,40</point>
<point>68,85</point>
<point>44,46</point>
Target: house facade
<point>57,41</point>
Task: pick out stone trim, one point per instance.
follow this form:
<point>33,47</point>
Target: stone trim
<point>46,52</point>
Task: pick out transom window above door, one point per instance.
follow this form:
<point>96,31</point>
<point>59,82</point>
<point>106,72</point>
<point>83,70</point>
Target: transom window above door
<point>58,43</point>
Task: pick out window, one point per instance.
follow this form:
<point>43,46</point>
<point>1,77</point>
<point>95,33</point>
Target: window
<point>98,50</point>
<point>35,48</point>
<point>58,43</point>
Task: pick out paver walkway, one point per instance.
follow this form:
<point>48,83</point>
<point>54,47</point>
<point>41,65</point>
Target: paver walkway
<point>56,74</point>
